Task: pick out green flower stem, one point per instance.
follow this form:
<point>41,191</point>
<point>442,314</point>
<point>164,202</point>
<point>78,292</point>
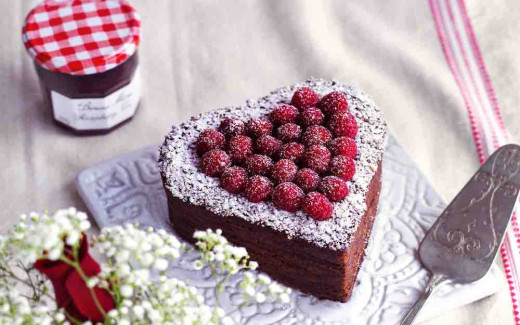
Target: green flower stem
<point>72,319</point>
<point>13,276</point>
<point>219,289</point>
<point>242,305</point>
<point>77,267</point>
<point>114,285</point>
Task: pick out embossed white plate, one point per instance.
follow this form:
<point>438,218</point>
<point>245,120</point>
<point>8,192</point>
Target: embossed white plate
<point>129,189</point>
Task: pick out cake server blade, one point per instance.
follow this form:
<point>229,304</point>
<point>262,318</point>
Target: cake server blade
<point>464,241</point>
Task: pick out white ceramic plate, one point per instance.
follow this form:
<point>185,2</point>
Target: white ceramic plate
<point>129,189</point>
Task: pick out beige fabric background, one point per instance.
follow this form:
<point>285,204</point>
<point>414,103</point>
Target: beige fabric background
<point>201,54</point>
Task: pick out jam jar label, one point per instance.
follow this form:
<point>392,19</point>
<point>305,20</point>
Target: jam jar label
<point>98,113</point>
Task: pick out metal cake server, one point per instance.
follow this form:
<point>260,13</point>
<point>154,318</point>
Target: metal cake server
<point>464,241</point>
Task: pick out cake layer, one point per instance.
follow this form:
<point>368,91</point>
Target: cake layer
<point>323,272</point>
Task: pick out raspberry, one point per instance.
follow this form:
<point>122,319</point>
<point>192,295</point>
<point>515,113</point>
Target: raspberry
<point>343,124</point>
<point>258,188</point>
<point>317,206</point>
<point>304,98</point>
<point>311,116</point>
<point>259,165</point>
<point>287,196</point>
<point>333,103</point>
<point>284,114</point>
<point>317,158</point>
<point>292,151</point>
<point>343,167</point>
<point>258,127</point>
<point>231,127</point>
<point>289,132</point>
<point>307,179</point>
<point>334,188</point>
<point>234,179</point>
<point>209,140</point>
<point>284,171</point>
<point>343,146</point>
<point>316,134</point>
<point>239,148</point>
<point>268,145</point>
<point>214,162</point>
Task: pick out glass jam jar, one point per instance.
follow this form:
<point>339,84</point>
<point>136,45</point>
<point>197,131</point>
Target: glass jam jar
<point>85,55</point>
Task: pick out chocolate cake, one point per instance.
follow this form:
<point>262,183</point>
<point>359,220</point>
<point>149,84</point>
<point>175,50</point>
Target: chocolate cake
<point>310,237</point>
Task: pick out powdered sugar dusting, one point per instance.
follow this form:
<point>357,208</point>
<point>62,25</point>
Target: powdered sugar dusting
<point>179,166</point>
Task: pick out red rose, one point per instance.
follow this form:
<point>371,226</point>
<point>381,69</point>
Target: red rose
<point>70,289</point>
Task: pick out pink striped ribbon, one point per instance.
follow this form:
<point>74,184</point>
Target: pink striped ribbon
<point>467,66</point>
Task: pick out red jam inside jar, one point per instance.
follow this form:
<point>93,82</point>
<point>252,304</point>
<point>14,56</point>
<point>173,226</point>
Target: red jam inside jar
<point>85,55</point>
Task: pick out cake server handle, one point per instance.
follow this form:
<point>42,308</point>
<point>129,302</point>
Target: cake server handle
<point>435,281</point>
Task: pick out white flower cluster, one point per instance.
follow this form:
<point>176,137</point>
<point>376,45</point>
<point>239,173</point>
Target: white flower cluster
<point>44,236</point>
<point>135,273</point>
<point>16,309</point>
<point>219,255</point>
<point>146,249</point>
<point>132,253</point>
<point>168,301</point>
<point>260,288</point>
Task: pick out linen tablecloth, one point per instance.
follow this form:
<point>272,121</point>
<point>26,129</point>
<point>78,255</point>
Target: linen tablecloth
<point>202,54</point>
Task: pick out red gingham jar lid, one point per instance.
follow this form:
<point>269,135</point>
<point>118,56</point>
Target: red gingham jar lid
<point>81,37</point>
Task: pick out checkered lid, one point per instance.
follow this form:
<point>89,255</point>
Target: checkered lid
<point>81,37</point>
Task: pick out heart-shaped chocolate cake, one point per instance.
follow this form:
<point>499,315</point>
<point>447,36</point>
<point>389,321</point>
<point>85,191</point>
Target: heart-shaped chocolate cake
<point>294,177</point>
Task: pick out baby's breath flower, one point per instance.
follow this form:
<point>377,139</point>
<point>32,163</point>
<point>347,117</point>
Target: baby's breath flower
<point>92,282</point>
<point>160,264</point>
<point>54,254</point>
<point>126,291</point>
<point>18,309</point>
<point>135,272</point>
<point>226,259</point>
<point>284,298</point>
<point>197,265</point>
<point>39,236</point>
<point>260,297</point>
<point>264,279</point>
<point>253,265</point>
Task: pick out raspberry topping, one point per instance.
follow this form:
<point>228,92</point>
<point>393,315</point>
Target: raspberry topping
<point>289,132</point>
<point>209,140</point>
<point>343,167</point>
<point>284,171</point>
<point>333,103</point>
<point>268,145</point>
<point>343,124</point>
<point>258,127</point>
<point>231,127</point>
<point>316,134</point>
<point>251,148</point>
<point>258,188</point>
<point>259,165</point>
<point>287,196</point>
<point>304,98</point>
<point>214,162</point>
<point>343,146</point>
<point>239,148</point>
<point>284,114</point>
<point>292,151</point>
<point>334,188</point>
<point>317,206</point>
<point>317,158</point>
<point>234,179</point>
<point>311,116</point>
<point>307,179</point>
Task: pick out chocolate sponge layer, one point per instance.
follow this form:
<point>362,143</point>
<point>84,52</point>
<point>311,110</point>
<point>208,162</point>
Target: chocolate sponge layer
<point>297,263</point>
